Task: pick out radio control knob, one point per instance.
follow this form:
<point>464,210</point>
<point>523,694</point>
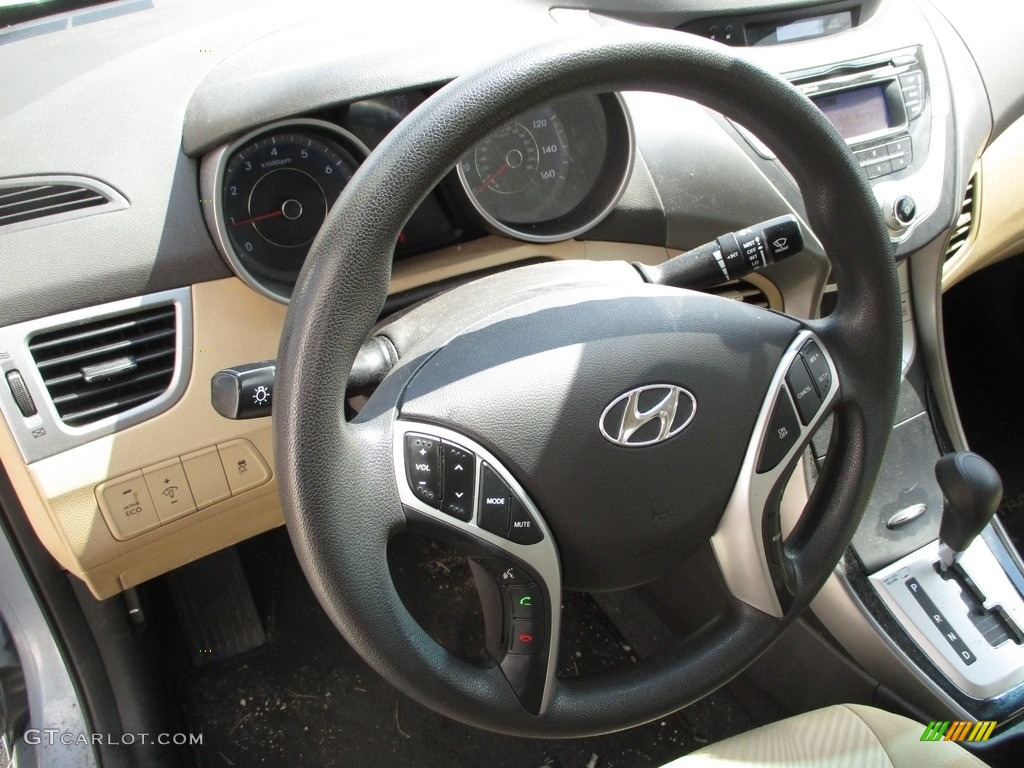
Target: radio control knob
<point>900,214</point>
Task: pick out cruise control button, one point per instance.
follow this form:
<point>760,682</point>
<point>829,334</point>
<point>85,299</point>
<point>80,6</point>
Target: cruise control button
<point>818,366</point>
<point>804,392</point>
<point>422,462</point>
<point>783,431</point>
<point>459,481</point>
<point>526,637</point>
<point>522,528</point>
<point>494,502</point>
<point>526,602</point>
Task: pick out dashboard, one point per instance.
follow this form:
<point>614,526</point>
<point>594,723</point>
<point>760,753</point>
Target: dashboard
<point>174,162</point>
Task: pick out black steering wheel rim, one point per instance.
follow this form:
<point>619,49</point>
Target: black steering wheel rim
<point>341,509</point>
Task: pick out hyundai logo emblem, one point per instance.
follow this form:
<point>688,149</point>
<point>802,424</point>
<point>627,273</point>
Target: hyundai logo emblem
<point>648,415</point>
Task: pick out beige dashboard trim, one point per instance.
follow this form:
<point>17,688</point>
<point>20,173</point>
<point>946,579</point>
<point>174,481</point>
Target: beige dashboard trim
<point>232,324</point>
<point>999,208</point>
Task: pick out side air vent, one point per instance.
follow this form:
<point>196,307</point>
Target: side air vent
<point>33,201</point>
<point>741,290</point>
<point>105,367</point>
<point>964,223</point>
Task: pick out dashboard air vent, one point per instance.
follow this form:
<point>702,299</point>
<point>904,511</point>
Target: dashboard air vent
<point>31,201</point>
<point>104,367</point>
<point>741,290</point>
<point>964,223</point>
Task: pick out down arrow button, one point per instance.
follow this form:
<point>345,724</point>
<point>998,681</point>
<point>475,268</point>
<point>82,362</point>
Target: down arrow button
<point>459,481</point>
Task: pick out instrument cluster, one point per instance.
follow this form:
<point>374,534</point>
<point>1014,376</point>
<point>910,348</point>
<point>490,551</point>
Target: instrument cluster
<point>550,174</point>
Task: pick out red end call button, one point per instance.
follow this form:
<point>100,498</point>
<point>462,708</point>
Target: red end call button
<point>526,637</point>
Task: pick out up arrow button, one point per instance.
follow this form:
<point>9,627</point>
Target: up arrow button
<point>459,481</point>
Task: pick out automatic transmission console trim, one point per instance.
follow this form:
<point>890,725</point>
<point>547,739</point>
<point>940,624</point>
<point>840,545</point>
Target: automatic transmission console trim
<point>968,660</point>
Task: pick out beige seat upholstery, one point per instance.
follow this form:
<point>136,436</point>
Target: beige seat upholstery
<point>842,736</point>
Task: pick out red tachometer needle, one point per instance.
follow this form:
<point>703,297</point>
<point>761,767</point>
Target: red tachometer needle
<point>254,219</point>
<point>493,177</point>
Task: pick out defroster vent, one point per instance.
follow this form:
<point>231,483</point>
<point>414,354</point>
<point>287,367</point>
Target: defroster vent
<point>33,201</point>
<point>104,367</point>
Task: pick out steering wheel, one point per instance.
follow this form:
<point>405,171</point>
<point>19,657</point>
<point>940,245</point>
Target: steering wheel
<point>572,426</point>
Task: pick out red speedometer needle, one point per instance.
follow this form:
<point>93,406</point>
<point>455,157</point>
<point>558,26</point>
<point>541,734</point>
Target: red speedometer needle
<point>493,177</point>
<point>254,219</point>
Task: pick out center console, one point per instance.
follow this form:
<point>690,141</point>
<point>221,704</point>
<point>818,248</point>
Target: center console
<point>948,641</point>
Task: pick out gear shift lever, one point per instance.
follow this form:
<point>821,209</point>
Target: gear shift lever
<point>973,490</point>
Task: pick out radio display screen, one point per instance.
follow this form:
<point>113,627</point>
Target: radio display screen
<point>856,112</point>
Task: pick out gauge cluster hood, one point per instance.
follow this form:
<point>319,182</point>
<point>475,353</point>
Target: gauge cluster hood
<point>319,63</point>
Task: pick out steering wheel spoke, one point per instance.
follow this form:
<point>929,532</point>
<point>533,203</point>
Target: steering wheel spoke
<point>454,487</point>
<point>749,543</point>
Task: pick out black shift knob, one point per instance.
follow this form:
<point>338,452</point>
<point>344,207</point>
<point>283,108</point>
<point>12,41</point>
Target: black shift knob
<point>973,490</point>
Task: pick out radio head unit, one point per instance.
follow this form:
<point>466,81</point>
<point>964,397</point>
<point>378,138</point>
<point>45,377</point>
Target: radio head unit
<point>873,104</point>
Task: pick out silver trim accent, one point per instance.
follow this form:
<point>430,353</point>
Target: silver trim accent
<point>906,515</point>
<point>108,370</point>
<point>996,670</point>
<point>633,419</point>
<point>115,200</point>
<point>211,181</point>
<point>45,434</point>
<point>568,234</point>
<point>542,557</point>
<point>738,543</point>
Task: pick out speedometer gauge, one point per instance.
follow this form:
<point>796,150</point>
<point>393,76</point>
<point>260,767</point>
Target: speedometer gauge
<point>525,161</point>
<point>276,187</point>
<point>552,172</point>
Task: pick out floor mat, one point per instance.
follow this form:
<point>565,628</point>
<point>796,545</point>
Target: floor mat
<point>306,699</point>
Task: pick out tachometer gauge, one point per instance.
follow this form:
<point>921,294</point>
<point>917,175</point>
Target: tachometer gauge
<point>552,172</point>
<point>276,188</point>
